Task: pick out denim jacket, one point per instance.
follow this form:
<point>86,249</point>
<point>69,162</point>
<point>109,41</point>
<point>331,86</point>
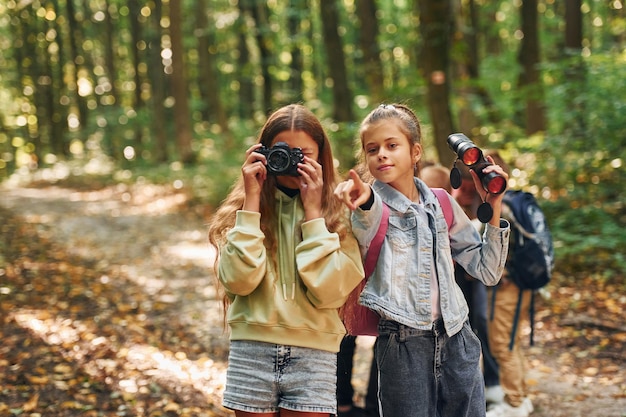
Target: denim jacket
<point>399,289</point>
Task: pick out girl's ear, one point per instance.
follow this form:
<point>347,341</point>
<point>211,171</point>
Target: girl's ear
<point>416,152</point>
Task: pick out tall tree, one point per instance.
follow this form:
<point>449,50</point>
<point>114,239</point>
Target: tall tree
<point>244,64</point>
<point>295,11</point>
<point>259,12</point>
<point>208,76</point>
<point>109,46</point>
<point>180,90</point>
<point>529,58</point>
<point>59,89</point>
<point>435,28</point>
<point>336,62</point>
<point>368,40</point>
<point>574,66</point>
<point>134,16</point>
<point>77,60</point>
<point>467,66</point>
<point>157,84</point>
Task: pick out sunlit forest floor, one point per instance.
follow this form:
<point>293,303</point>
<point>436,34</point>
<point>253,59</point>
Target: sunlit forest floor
<point>107,308</point>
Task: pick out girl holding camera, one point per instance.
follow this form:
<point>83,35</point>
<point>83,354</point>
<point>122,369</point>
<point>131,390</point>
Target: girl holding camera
<point>428,356</point>
<point>287,260</point>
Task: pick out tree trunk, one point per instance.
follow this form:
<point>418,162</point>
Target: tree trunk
<point>435,26</point>
<point>342,95</point>
<point>530,77</point>
<point>208,76</point>
<point>575,70</point>
<point>135,31</point>
<point>77,59</point>
<point>244,67</point>
<point>259,13</point>
<point>368,39</point>
<point>297,63</point>
<point>467,25</point>
<point>182,116</point>
<point>110,49</point>
<point>157,83</point>
<point>59,111</point>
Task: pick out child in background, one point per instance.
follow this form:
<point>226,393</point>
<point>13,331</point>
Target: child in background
<point>428,357</point>
<point>436,176</point>
<point>511,362</point>
<point>287,261</point>
<point>476,292</point>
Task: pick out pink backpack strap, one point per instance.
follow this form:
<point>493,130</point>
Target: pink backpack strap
<point>377,242</point>
<point>446,206</point>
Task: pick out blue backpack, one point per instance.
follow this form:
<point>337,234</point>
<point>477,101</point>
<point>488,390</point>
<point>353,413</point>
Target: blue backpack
<point>532,253</point>
<point>531,257</point>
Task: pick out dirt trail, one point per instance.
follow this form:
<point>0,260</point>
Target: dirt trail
<point>149,234</point>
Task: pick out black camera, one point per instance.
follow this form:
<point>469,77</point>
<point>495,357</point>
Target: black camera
<point>281,159</point>
<point>473,157</point>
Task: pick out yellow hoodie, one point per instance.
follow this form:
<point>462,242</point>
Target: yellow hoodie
<point>297,305</point>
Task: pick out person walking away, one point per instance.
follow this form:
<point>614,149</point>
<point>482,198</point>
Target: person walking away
<point>428,357</point>
<point>345,389</point>
<point>287,261</point>
<point>476,292</point>
<point>511,360</point>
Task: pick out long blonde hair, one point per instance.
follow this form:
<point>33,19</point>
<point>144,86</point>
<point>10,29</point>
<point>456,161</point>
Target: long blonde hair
<point>297,118</point>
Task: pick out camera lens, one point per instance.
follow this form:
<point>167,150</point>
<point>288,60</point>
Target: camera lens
<point>278,160</point>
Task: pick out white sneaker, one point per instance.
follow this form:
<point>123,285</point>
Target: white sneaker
<point>528,404</point>
<point>494,394</point>
<point>506,410</point>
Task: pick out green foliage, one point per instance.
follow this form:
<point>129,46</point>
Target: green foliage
<point>586,239</point>
<point>576,165</point>
<point>579,165</point>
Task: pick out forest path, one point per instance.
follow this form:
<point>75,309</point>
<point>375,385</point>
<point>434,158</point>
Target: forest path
<point>150,247</point>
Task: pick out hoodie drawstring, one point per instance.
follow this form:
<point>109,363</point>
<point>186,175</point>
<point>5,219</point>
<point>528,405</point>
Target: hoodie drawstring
<point>283,280</point>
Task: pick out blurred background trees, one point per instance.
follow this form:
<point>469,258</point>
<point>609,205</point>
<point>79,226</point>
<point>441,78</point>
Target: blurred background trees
<point>178,88</point>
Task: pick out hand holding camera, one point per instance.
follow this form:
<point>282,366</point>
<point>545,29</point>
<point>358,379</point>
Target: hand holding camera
<point>281,159</point>
<point>472,156</point>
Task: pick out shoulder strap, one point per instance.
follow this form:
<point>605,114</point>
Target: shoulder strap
<point>372,254</point>
<point>446,206</point>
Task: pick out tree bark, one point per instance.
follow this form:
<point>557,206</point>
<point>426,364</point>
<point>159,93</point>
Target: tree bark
<point>530,77</point>
<point>435,27</point>
<point>77,59</point>
<point>158,85</point>
<point>336,63</point>
<point>259,12</point>
<point>575,70</point>
<point>208,76</point>
<point>296,86</point>
<point>368,39</point>
<point>182,116</point>
<point>135,32</point>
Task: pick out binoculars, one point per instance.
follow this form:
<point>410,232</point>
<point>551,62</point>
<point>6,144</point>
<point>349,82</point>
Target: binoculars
<point>472,156</point>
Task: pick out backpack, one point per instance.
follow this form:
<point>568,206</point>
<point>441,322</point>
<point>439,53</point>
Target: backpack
<point>531,257</point>
<point>360,320</point>
<point>532,252</point>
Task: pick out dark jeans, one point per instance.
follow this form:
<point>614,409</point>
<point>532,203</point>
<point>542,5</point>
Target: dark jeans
<point>475,293</point>
<point>345,391</point>
<point>426,373</point>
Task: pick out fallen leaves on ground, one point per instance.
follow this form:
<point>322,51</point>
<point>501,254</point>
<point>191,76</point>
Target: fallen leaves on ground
<point>79,338</point>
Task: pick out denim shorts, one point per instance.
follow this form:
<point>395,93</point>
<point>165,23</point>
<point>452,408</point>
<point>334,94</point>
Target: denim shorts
<point>264,377</point>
